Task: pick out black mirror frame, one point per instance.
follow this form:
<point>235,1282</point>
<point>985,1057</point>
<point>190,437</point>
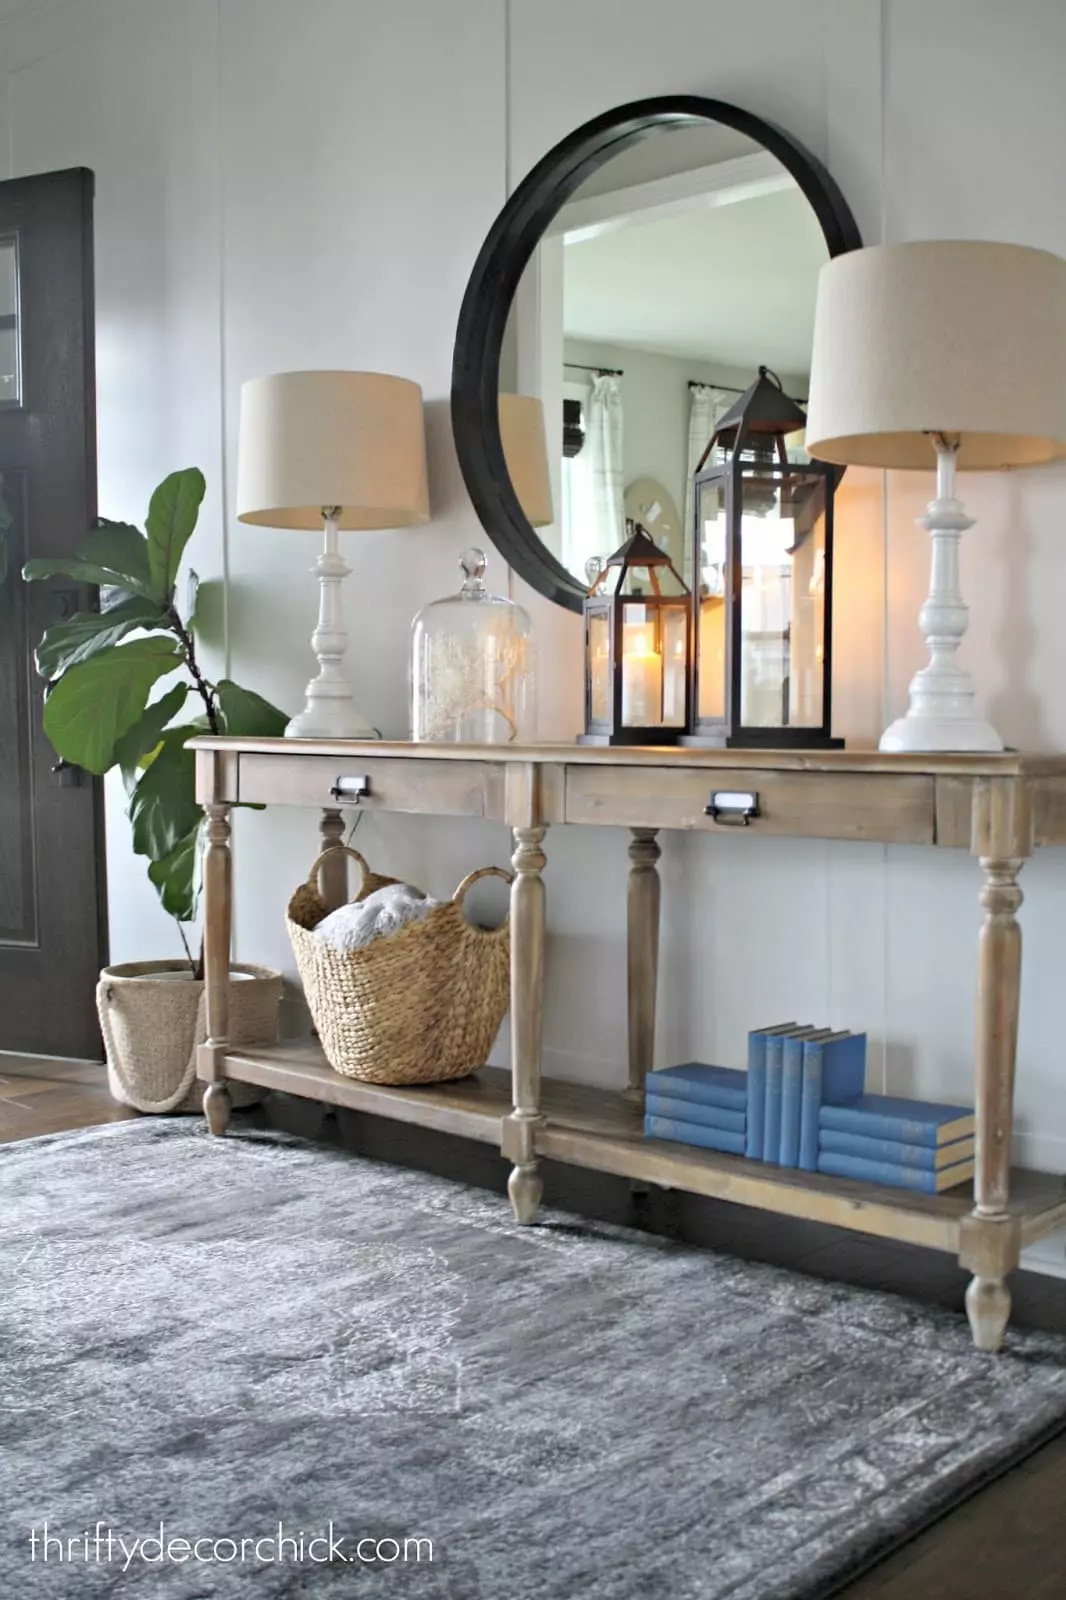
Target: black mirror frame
<point>501,262</point>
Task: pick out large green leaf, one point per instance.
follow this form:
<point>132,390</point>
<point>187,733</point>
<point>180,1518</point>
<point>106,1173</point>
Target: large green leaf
<point>113,555</point>
<point>248,715</point>
<point>171,519</point>
<point>123,549</point>
<point>144,736</point>
<point>163,806</point>
<point>67,643</point>
<point>94,703</point>
<point>177,877</point>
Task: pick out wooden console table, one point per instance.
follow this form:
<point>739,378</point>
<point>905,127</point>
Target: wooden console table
<point>1000,807</point>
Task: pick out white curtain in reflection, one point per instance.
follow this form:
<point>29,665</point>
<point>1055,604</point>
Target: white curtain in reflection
<point>706,405</point>
<point>595,525</point>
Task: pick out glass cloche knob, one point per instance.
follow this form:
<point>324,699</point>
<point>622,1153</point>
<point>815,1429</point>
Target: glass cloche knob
<point>472,562</point>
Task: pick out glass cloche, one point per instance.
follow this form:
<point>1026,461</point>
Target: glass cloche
<point>472,666</point>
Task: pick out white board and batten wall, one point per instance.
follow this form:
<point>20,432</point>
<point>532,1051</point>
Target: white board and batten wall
<point>285,184</point>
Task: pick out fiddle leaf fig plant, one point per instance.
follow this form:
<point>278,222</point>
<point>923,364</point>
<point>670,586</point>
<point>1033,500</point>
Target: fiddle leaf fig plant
<point>102,668</point>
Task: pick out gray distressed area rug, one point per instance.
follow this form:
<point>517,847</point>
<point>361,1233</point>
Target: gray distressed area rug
<point>221,1335</point>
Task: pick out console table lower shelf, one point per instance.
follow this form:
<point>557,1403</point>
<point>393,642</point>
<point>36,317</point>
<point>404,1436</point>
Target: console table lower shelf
<point>602,1130</point>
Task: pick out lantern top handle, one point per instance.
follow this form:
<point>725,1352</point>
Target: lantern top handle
<point>764,409</point>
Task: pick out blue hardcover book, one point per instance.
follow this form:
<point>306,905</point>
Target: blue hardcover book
<point>757,1040</point>
<point>706,1137</point>
<point>775,1050</point>
<point>706,1085</point>
<point>928,1156</point>
<point>834,1069</point>
<point>885,1116</point>
<point>660,1105</point>
<point>927,1180</point>
<point>791,1079</point>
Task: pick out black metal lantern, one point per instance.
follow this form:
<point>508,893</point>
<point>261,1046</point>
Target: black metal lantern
<point>762,593</point>
<point>638,618</point>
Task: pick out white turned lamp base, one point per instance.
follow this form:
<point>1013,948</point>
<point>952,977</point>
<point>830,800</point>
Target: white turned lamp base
<point>910,735</point>
<point>337,719</point>
<point>943,714</point>
<point>330,711</point>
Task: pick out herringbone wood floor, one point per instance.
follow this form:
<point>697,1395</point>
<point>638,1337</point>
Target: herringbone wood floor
<point>1007,1543</point>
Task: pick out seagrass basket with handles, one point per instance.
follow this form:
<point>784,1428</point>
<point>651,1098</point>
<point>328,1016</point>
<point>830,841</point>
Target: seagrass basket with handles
<point>420,1005</point>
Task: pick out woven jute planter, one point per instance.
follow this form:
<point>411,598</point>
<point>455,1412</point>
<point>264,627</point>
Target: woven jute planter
<point>421,1005</point>
<point>153,1015</point>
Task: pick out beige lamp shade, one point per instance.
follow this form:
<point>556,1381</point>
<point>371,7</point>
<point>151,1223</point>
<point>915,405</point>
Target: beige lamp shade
<point>944,336</point>
<point>314,439</point>
<point>526,454</point>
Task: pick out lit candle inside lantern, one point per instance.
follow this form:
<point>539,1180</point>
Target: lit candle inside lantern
<point>601,679</point>
<point>642,679</point>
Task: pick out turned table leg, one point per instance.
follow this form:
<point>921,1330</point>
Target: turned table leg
<point>991,1236</point>
<point>525,1185</point>
<point>642,950</point>
<point>218,889</point>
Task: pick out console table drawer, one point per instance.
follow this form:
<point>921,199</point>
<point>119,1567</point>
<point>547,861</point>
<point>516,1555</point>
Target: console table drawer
<point>895,809</point>
<point>436,788</point>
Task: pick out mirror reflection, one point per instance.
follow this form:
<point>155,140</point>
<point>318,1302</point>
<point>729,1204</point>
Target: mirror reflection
<point>667,279</point>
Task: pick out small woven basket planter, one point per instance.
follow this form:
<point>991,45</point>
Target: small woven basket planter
<point>421,1005</point>
<point>153,1015</point>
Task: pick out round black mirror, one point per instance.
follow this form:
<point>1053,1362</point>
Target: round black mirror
<point>634,282</point>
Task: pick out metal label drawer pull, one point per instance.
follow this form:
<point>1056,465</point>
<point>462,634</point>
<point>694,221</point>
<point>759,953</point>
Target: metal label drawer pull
<point>351,790</point>
<point>733,808</point>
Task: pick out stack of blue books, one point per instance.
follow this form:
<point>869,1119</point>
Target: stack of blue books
<point>793,1070</point>
<point>697,1104</point>
<point>802,1104</point>
<point>907,1144</point>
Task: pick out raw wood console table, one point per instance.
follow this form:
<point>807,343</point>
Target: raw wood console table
<point>999,807</point>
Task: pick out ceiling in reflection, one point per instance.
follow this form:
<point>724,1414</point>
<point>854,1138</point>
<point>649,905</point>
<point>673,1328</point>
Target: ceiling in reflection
<point>732,280</point>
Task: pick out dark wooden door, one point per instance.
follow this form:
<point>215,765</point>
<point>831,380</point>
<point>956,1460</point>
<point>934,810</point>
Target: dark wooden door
<point>53,929</point>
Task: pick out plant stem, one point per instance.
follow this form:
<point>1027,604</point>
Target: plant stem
<point>188,952</point>
<point>204,689</point>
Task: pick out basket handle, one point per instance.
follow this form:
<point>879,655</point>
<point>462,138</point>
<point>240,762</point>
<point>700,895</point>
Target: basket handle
<point>334,850</point>
<point>472,877</point>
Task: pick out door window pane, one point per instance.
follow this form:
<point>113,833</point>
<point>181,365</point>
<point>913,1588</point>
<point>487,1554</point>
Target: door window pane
<point>10,364</point>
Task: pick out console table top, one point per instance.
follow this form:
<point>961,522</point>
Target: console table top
<point>1007,764</point>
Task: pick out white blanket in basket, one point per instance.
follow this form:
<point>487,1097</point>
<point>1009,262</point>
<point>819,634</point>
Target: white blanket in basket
<point>386,911</point>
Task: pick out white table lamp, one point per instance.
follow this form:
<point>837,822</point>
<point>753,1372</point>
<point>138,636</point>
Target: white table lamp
<point>956,347</point>
<point>331,450</point>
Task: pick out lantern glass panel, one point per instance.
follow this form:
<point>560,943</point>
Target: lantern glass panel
<point>674,627</point>
<point>712,590</point>
<point>642,666</point>
<point>599,666</point>
<point>782,601</point>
